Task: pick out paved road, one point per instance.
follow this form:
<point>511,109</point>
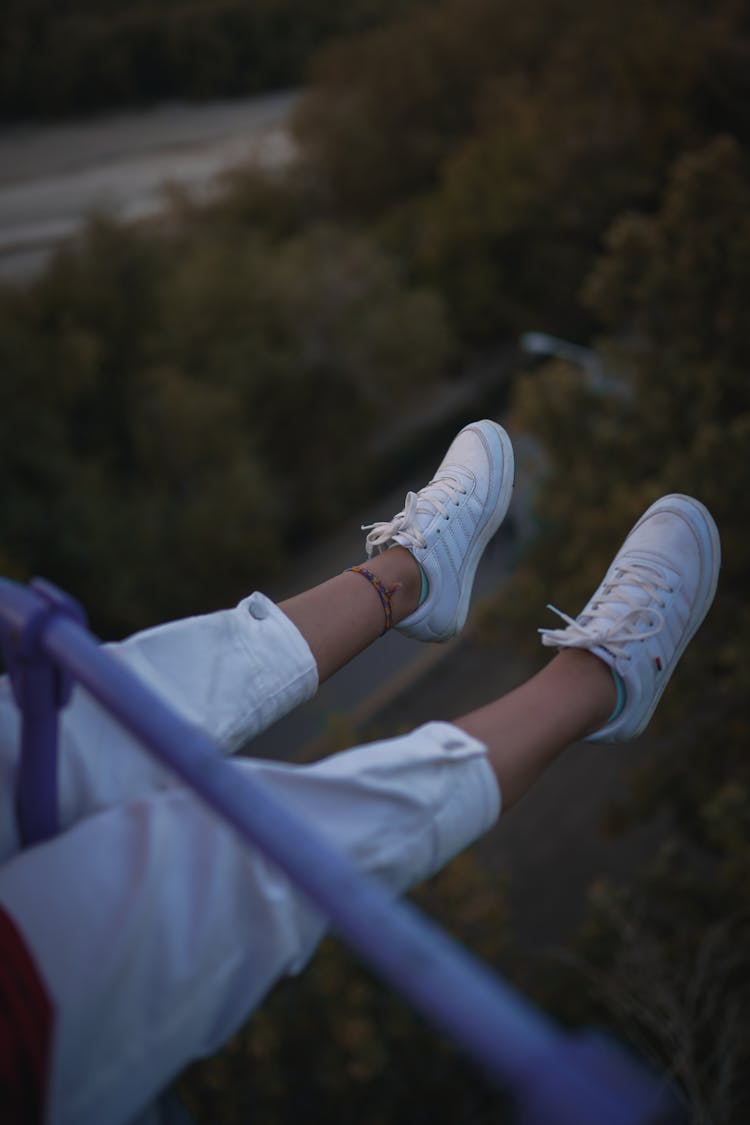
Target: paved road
<point>52,177</point>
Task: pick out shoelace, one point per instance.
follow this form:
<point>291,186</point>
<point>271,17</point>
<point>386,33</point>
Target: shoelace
<point>440,492</point>
<point>617,617</point>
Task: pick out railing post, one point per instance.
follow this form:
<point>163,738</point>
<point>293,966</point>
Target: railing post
<point>41,688</point>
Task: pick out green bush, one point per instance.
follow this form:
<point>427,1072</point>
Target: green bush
<point>178,413</point>
<point>665,957</point>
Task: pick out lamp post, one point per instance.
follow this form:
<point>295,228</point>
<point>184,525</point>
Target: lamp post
<point>589,361</point>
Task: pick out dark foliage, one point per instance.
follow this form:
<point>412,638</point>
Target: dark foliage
<point>61,59</point>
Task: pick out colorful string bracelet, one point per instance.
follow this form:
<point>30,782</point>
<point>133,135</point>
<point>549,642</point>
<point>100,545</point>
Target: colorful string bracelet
<point>385,593</point>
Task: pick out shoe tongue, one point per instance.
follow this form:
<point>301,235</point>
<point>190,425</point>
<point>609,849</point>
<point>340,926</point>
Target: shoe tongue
<point>623,593</point>
<point>449,481</point>
<point>420,516</point>
<point>426,503</point>
<point>423,508</point>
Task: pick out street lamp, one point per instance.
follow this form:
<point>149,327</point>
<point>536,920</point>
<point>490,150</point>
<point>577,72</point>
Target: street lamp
<point>590,362</point>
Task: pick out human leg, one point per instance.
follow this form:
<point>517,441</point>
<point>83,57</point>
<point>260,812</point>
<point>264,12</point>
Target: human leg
<point>235,672</point>
<point>231,673</point>
<point>343,616</point>
<point>648,607</point>
<point>526,730</point>
<point>617,657</point>
<point>156,931</point>
<point>200,928</point>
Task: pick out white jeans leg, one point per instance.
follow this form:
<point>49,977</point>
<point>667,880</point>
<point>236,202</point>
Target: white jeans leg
<point>157,932</point>
<point>232,673</point>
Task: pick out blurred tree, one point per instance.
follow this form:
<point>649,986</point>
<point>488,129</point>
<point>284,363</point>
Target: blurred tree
<point>68,346</point>
<point>316,335</point>
<point>196,404</point>
<point>667,963</point>
<point>672,288</point>
<point>56,60</point>
<point>494,145</point>
<point>385,110</point>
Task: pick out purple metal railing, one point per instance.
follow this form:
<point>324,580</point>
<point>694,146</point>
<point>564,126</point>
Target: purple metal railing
<point>556,1078</point>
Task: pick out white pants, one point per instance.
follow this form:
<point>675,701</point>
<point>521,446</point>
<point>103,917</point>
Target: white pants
<point>155,931</point>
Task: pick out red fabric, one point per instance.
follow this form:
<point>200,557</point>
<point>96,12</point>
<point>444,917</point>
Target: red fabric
<point>25,1030</point>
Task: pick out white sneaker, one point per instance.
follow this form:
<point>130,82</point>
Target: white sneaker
<point>448,524</point>
<point>653,598</point>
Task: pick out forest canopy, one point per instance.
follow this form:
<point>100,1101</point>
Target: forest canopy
<point>81,56</point>
<point>459,169</point>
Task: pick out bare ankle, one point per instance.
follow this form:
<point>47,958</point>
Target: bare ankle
<point>593,677</point>
<point>397,566</point>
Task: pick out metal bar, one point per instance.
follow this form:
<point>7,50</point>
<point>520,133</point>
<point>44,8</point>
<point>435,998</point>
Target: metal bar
<point>41,688</point>
<point>504,1034</point>
<point>36,789</point>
